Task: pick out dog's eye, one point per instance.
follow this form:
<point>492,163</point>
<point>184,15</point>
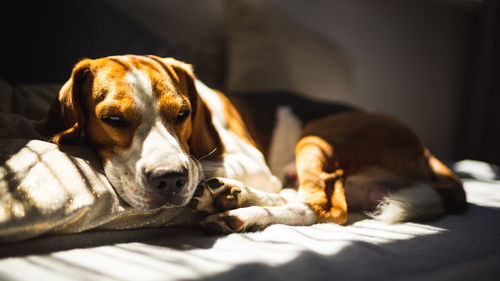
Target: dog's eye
<point>182,116</point>
<point>115,121</point>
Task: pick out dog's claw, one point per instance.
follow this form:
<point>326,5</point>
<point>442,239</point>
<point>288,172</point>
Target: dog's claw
<point>228,199</point>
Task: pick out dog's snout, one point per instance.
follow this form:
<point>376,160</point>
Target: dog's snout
<point>168,181</point>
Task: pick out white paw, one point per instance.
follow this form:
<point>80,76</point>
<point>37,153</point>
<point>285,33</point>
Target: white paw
<point>238,220</point>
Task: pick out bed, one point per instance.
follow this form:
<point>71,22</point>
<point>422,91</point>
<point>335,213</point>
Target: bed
<point>89,234</point>
<point>101,239</point>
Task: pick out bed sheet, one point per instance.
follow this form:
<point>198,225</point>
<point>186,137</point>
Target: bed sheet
<point>454,247</point>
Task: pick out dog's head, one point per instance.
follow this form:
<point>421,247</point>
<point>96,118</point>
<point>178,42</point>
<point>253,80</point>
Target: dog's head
<point>144,118</point>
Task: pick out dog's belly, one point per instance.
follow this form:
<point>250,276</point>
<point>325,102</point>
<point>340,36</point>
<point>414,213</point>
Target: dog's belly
<point>365,191</point>
<point>364,194</point>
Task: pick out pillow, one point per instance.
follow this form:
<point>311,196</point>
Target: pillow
<point>267,52</point>
<point>46,190</point>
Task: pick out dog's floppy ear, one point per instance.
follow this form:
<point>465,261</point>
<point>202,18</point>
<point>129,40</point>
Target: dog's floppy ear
<point>204,141</point>
<point>66,118</point>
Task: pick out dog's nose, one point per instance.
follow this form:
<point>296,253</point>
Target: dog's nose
<point>167,180</point>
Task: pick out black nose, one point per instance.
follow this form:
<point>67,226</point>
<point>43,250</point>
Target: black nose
<point>167,180</point>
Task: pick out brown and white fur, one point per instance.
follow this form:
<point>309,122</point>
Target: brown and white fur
<point>166,139</point>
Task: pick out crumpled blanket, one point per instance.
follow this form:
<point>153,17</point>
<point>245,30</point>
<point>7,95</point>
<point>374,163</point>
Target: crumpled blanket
<point>43,189</point>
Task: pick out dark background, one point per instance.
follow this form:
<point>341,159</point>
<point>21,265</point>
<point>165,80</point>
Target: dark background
<point>46,38</point>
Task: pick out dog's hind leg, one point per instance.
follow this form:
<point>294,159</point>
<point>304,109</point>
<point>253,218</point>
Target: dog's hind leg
<point>447,184</point>
<point>321,184</point>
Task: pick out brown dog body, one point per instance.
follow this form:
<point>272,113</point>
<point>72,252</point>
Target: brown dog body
<point>369,157</point>
<point>350,160</point>
<point>166,139</point>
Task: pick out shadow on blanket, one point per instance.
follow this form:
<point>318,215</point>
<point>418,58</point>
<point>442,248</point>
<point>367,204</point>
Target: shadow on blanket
<point>466,250</point>
<point>460,241</point>
<point>17,145</point>
<point>171,237</point>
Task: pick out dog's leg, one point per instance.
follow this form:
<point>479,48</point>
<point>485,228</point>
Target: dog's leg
<point>236,207</point>
<point>321,190</point>
<point>232,206</point>
<point>256,218</point>
<point>321,196</point>
<point>447,184</point>
<point>222,194</point>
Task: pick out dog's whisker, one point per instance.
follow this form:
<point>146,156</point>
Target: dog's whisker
<point>208,154</point>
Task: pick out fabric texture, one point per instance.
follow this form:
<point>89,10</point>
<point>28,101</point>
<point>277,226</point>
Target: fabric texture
<point>46,190</point>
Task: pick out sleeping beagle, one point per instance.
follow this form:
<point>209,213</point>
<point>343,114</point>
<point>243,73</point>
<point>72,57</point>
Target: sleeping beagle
<point>166,139</point>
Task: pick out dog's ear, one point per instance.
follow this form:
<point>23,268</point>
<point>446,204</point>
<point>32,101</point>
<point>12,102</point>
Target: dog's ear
<point>204,141</point>
<point>66,118</point>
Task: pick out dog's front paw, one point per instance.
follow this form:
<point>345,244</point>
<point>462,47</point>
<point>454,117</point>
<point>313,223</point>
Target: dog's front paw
<point>217,195</point>
<point>237,220</point>
<point>222,223</point>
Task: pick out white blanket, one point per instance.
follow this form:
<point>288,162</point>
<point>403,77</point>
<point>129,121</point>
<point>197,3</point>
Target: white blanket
<point>455,247</point>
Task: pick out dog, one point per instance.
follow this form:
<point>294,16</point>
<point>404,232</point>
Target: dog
<point>166,139</point>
